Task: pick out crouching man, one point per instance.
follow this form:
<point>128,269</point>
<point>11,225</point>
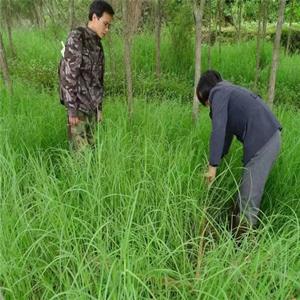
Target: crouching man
<point>236,111</point>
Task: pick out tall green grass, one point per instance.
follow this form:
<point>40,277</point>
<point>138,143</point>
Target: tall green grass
<point>38,54</point>
<point>125,220</point>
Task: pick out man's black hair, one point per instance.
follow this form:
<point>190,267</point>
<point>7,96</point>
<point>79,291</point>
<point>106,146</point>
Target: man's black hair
<point>206,82</point>
<point>99,7</point>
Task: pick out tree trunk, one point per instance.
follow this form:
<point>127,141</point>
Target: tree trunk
<point>287,49</point>
<point>157,36</point>
<point>128,72</point>
<point>4,66</point>
<point>219,6</point>
<point>36,15</point>
<point>209,36</point>
<point>127,56</point>
<point>6,14</point>
<point>71,14</point>
<point>131,13</point>
<point>266,4</point>
<point>258,43</point>
<point>10,38</point>
<point>50,7</point>
<point>198,13</point>
<point>276,53</point>
<point>37,10</point>
<point>240,8</point>
<point>111,47</point>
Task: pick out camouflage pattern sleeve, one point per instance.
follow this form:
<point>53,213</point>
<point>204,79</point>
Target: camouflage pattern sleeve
<point>101,77</point>
<point>72,58</point>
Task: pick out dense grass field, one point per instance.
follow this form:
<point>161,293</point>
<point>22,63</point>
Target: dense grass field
<point>126,220</point>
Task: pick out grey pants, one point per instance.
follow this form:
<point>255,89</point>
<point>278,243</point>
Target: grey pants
<point>255,176</point>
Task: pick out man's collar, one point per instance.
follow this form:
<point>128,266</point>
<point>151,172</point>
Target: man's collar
<point>92,33</point>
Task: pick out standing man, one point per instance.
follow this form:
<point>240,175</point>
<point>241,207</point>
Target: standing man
<point>236,111</point>
<point>81,73</point>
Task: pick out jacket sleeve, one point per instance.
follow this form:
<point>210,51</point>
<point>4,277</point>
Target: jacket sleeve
<point>227,143</point>
<point>101,76</point>
<point>218,146</point>
<point>72,59</point>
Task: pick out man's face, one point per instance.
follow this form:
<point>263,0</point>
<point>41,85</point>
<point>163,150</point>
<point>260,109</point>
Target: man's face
<point>102,24</point>
<point>207,102</point>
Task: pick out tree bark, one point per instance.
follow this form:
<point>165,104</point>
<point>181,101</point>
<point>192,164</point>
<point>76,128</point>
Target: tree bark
<point>127,56</point>
<point>276,53</point>
<point>128,72</point>
<point>209,36</point>
<point>219,22</point>
<point>36,15</point>
<point>198,14</point>
<point>131,10</point>
<point>258,43</point>
<point>111,47</point>
<point>157,37</point>
<point>10,38</point>
<point>266,4</point>
<point>6,14</point>
<point>287,49</point>
<point>240,8</point>
<point>4,66</point>
<point>71,14</point>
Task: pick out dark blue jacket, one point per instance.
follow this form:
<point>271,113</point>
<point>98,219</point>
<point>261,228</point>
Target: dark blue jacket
<point>236,111</point>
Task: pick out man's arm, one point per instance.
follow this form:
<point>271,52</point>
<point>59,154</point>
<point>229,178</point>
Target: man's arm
<point>72,58</point>
<point>101,78</point>
<point>219,105</point>
<point>227,143</point>
<point>219,139</point>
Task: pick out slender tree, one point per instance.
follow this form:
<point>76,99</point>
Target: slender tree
<point>290,27</point>
<point>198,14</point>
<point>276,52</point>
<point>265,11</point>
<point>49,6</point>
<point>239,27</point>
<point>56,10</point>
<point>4,66</point>
<point>71,14</point>
<point>36,15</point>
<point>158,8</point>
<point>219,16</point>
<point>131,13</point>
<point>111,50</point>
<point>209,7</point>
<point>258,42</point>
<point>7,13</point>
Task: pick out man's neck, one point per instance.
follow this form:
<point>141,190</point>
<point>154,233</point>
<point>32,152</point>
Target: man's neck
<point>91,27</point>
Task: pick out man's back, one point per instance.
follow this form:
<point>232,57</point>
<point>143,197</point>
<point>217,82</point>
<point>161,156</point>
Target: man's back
<point>240,112</point>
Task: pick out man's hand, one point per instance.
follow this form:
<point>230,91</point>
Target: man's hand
<point>211,174</point>
<point>99,116</point>
<point>74,120</point>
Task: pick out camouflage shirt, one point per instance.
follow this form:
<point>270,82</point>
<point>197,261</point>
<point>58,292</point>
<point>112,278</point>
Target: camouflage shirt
<point>81,72</point>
